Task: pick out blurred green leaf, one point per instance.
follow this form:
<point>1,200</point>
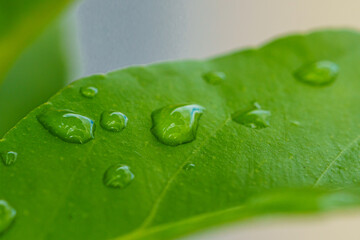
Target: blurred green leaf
<point>304,159</point>
<point>20,23</point>
<point>41,70</point>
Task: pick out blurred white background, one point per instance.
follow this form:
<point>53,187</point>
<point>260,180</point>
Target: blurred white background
<point>333,226</point>
<point>118,33</point>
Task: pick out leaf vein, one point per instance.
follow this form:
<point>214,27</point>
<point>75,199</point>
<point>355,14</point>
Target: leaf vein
<point>156,205</point>
<point>335,159</point>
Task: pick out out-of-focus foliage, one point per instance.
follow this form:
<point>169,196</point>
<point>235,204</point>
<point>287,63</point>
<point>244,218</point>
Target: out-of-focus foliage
<point>20,22</point>
<point>34,59</point>
<point>41,70</point>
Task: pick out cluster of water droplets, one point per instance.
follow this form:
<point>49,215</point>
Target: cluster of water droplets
<point>73,127</point>
<point>171,125</point>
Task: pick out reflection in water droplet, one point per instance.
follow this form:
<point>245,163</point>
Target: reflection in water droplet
<point>253,117</point>
<point>189,166</point>
<point>67,125</point>
<point>318,73</point>
<point>214,78</point>
<point>9,157</point>
<point>113,121</point>
<point>176,124</point>
<point>118,176</point>
<point>89,92</point>
<point>7,215</point>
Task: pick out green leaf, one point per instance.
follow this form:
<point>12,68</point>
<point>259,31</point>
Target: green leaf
<point>20,23</point>
<point>39,72</point>
<point>295,151</point>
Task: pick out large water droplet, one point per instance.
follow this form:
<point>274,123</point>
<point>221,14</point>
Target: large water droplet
<point>214,78</point>
<point>318,73</point>
<point>113,121</point>
<point>67,125</point>
<point>9,158</point>
<point>176,124</point>
<point>118,176</point>
<point>89,91</point>
<point>253,117</point>
<point>7,215</point>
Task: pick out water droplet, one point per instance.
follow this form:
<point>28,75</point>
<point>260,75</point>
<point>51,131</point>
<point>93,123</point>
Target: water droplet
<point>9,157</point>
<point>118,176</point>
<point>318,73</point>
<point>113,121</point>
<point>253,117</point>
<point>7,215</point>
<point>176,124</point>
<point>67,125</point>
<point>214,78</point>
<point>89,91</point>
<point>189,167</point>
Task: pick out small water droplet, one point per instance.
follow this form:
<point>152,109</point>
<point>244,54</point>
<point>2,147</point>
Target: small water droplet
<point>176,124</point>
<point>118,176</point>
<point>253,117</point>
<point>7,215</point>
<point>67,125</point>
<point>214,77</point>
<point>89,91</point>
<point>189,167</point>
<point>318,73</point>
<point>9,157</point>
<point>113,121</point>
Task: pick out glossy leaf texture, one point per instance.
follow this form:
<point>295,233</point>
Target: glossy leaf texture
<point>21,21</point>
<point>301,158</point>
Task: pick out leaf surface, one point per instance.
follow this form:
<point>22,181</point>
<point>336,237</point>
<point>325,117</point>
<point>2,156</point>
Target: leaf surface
<point>307,160</point>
